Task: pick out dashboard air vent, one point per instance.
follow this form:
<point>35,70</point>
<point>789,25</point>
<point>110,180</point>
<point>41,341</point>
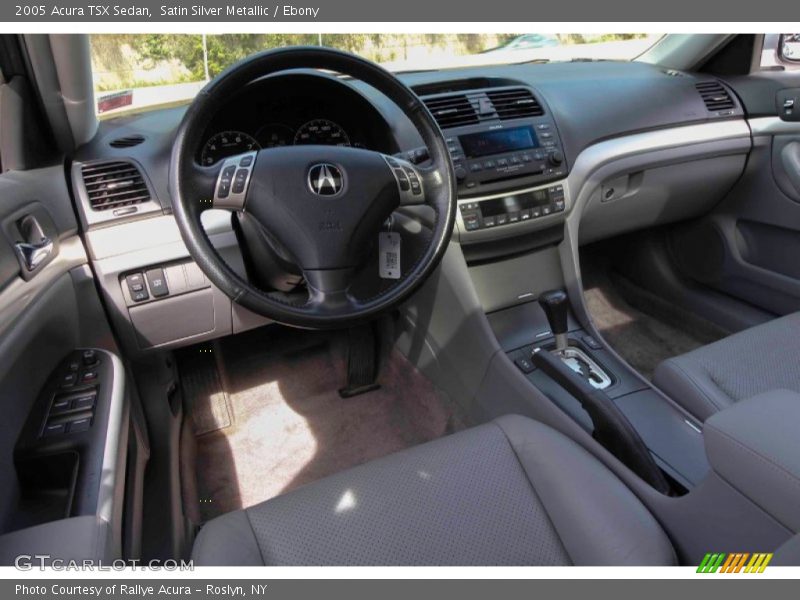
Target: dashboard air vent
<point>127,141</point>
<point>114,184</point>
<point>452,110</point>
<point>715,96</point>
<point>515,104</point>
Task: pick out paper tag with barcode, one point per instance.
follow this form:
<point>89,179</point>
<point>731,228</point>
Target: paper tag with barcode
<point>389,255</point>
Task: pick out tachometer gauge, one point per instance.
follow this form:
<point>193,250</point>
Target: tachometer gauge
<point>322,132</point>
<point>227,143</point>
<point>274,135</point>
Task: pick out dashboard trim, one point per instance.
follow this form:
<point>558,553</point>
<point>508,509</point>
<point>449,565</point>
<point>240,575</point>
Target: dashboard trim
<point>594,158</point>
<point>767,126</point>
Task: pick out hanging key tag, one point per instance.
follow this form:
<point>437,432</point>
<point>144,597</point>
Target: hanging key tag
<point>389,255</point>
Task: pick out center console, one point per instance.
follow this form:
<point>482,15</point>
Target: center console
<point>513,201</point>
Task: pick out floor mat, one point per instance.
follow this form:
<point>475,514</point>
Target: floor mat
<point>288,425</point>
<point>641,327</point>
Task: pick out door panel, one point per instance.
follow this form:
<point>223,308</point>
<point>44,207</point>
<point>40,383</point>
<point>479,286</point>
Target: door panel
<point>39,316</point>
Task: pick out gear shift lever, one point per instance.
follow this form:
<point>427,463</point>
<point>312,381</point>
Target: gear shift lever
<point>555,305</point>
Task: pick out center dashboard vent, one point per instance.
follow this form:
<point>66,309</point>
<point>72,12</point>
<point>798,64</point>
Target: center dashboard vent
<point>715,96</point>
<point>458,110</point>
<point>515,104</point>
<point>114,184</point>
<point>452,110</point>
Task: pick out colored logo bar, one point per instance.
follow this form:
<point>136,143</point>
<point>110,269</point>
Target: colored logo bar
<point>736,562</point>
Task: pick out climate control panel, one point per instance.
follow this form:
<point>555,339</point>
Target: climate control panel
<point>512,209</point>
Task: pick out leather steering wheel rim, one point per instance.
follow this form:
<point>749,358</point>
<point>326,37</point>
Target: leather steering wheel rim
<point>191,186</point>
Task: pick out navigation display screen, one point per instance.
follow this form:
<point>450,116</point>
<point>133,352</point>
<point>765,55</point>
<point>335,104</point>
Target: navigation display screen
<point>499,141</point>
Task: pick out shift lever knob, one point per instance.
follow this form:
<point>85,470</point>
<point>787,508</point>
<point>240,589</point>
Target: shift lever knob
<point>555,305</point>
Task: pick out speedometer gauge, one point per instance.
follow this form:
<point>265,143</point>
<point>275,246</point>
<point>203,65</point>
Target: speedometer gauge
<point>227,143</point>
<point>322,132</point>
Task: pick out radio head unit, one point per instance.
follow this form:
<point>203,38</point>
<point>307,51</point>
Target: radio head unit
<point>499,139</point>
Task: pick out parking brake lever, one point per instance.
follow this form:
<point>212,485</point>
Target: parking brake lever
<point>611,427</point>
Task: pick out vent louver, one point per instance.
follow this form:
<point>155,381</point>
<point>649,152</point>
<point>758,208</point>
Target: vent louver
<point>114,184</point>
<point>715,96</point>
<point>452,110</point>
<point>515,104</point>
<point>127,142</point>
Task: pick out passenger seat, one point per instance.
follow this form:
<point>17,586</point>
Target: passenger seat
<point>757,360</point>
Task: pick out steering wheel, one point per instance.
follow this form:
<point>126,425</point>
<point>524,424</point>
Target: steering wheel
<point>325,205</point>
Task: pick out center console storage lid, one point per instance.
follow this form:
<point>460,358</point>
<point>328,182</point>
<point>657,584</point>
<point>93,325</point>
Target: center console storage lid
<point>754,445</point>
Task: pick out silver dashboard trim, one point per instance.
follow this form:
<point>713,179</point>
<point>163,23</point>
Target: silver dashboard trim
<point>596,156</point>
<point>766,126</point>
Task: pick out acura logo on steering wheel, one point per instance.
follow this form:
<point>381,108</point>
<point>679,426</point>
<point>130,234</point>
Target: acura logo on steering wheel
<point>325,179</point>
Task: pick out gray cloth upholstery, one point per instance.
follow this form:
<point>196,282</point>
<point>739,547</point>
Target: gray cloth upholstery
<point>740,366</point>
<point>511,492</point>
<point>76,538</point>
<point>788,555</point>
<point>755,447</point>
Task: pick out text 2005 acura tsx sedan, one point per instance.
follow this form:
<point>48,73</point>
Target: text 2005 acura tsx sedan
<point>510,312</point>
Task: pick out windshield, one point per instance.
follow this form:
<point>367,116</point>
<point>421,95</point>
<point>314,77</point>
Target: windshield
<point>135,72</point>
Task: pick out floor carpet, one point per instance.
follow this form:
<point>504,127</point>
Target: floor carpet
<point>270,418</point>
<point>640,326</point>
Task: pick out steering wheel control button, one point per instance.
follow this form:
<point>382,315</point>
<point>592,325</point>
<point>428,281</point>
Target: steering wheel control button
<point>157,283</point>
<point>224,186</point>
<point>402,179</point>
<point>232,182</point>
<point>239,181</point>
<point>408,180</point>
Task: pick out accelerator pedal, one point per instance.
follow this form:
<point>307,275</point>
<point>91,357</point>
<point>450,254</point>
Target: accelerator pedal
<point>363,353</point>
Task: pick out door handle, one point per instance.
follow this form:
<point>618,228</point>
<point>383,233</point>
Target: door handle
<point>33,254</point>
<point>36,247</point>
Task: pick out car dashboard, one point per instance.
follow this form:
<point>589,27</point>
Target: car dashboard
<point>542,154</point>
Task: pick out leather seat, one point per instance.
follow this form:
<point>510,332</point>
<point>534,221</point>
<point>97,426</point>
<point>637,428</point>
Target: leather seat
<point>743,365</point>
<point>510,492</point>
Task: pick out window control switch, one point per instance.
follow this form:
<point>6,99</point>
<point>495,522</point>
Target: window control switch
<point>83,402</point>
<point>51,429</point>
<point>60,405</point>
<point>78,425</point>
